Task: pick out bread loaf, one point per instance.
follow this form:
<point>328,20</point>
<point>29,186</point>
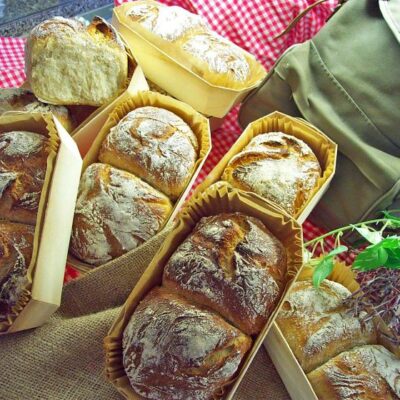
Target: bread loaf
<point>23,163</point>
<point>173,349</point>
<point>364,373</point>
<point>317,326</point>
<point>16,246</point>
<point>115,212</point>
<point>156,145</point>
<point>24,100</point>
<point>277,166</point>
<point>188,39</point>
<point>67,63</point>
<point>232,264</point>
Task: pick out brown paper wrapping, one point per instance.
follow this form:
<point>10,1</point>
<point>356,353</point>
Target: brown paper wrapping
<point>285,361</point>
<point>322,146</point>
<point>166,66</point>
<point>198,123</point>
<point>43,124</point>
<point>213,201</point>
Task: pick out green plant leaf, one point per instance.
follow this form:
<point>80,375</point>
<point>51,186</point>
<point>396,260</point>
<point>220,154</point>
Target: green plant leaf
<point>394,221</point>
<point>322,271</point>
<point>372,257</point>
<point>372,236</point>
<point>393,260</point>
<point>337,250</point>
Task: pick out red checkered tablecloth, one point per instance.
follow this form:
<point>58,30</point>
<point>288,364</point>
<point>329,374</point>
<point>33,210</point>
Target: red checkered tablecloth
<point>251,24</point>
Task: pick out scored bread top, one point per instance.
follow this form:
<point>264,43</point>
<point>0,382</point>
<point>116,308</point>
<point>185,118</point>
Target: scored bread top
<point>16,247</point>
<point>115,212</point>
<point>233,264</point>
<point>277,166</point>
<point>23,163</point>
<point>173,349</point>
<point>154,144</point>
<point>366,372</point>
<point>317,325</point>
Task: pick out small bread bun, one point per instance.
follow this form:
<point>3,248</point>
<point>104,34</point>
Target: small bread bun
<point>115,212</point>
<point>277,166</point>
<point>24,100</point>
<point>173,349</point>
<point>317,326</point>
<point>233,264</point>
<point>156,145</point>
<point>364,373</point>
<point>67,63</point>
<point>16,246</point>
<point>23,163</point>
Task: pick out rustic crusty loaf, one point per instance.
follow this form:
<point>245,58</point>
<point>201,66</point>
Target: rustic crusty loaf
<point>317,326</point>
<point>173,349</point>
<point>189,40</point>
<point>67,63</point>
<point>364,373</point>
<point>232,264</point>
<point>16,246</point>
<point>276,166</point>
<point>24,100</point>
<point>154,144</point>
<point>23,162</point>
<point>115,212</point>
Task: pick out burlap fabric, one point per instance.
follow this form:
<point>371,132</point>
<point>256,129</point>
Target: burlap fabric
<point>64,359</point>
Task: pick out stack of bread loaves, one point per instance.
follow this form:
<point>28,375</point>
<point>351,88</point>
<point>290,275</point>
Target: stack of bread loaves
<point>337,350</point>
<point>188,338</point>
<point>143,165</point>
<point>23,165</point>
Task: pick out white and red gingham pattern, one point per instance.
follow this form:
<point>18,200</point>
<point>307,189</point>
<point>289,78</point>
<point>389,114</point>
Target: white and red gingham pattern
<point>251,24</point>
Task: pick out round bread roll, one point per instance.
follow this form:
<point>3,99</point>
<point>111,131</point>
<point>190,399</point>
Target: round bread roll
<point>173,349</point>
<point>115,212</point>
<point>277,166</point>
<point>16,246</point>
<point>67,63</point>
<point>364,373</point>
<point>23,100</point>
<point>317,326</point>
<point>232,264</point>
<point>156,145</point>
<point>23,163</point>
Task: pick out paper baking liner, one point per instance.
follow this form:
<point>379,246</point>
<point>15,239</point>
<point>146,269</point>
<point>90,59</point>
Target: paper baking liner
<point>322,146</point>
<point>165,68</point>
<point>214,201</point>
<point>45,301</point>
<point>289,369</point>
<point>198,123</point>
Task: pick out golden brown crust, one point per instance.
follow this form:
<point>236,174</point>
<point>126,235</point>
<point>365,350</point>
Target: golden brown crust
<point>115,212</point>
<point>23,163</point>
<point>317,326</point>
<point>277,166</point>
<point>173,349</point>
<point>24,100</point>
<point>232,264</point>
<point>156,145</point>
<point>67,63</point>
<point>364,373</point>
<point>16,246</point>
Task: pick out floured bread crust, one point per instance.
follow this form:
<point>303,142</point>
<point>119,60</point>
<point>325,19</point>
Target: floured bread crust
<point>156,145</point>
<point>23,164</point>
<point>175,350</point>
<point>233,264</point>
<point>115,212</point>
<point>277,166</point>
<point>67,63</point>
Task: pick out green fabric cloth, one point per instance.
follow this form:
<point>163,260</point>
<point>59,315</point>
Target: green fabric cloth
<point>345,81</point>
